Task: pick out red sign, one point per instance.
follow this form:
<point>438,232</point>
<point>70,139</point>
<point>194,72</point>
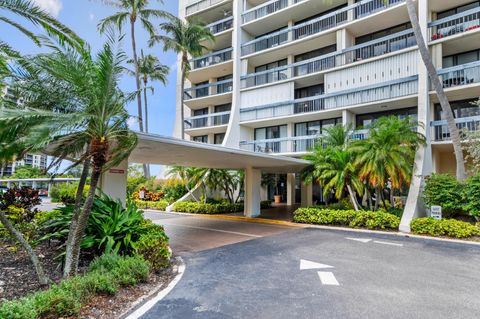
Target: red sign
<point>116,171</point>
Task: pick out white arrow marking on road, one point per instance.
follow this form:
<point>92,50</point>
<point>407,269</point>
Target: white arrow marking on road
<point>307,264</point>
<point>328,278</point>
<point>363,240</point>
<point>387,243</point>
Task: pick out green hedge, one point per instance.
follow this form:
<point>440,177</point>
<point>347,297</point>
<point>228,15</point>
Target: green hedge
<point>206,208</point>
<point>65,299</point>
<point>348,218</point>
<point>160,205</point>
<point>443,227</point>
<point>66,192</point>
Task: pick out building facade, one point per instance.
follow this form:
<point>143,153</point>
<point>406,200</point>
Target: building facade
<point>281,71</point>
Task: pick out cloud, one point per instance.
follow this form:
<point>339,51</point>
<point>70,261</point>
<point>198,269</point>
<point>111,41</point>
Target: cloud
<point>51,6</point>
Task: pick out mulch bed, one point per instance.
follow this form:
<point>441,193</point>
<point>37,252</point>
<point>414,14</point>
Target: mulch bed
<point>18,279</point>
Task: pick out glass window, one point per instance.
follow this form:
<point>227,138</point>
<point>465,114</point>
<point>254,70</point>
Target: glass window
<point>315,127</point>
<point>201,138</point>
<point>267,133</point>
<point>366,120</point>
<point>309,91</point>
<point>461,58</point>
<point>383,33</point>
<point>464,108</point>
<point>316,53</point>
<point>218,138</point>
<point>456,10</point>
<point>223,108</point>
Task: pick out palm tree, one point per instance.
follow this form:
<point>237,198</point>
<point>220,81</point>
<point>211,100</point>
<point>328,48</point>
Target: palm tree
<point>32,13</point>
<point>442,98</point>
<point>151,69</point>
<point>185,174</point>
<point>96,132</point>
<point>184,38</point>
<point>133,11</point>
<point>387,155</point>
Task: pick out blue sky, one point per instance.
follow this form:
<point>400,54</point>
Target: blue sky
<point>83,16</point>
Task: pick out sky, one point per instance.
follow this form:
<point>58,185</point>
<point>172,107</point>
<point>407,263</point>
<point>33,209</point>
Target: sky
<point>82,16</point>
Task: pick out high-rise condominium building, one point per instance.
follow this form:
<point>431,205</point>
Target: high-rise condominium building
<point>282,71</point>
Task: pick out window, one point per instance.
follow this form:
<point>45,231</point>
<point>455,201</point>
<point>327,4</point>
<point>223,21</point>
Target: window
<point>366,120</point>
<point>447,13</point>
<point>200,122</point>
<point>315,127</point>
<point>309,91</point>
<point>322,24</point>
<point>316,53</point>
<point>382,33</point>
<point>201,138</point>
<point>270,76</point>
<point>268,133</point>
<point>202,91</point>
<point>218,138</point>
<point>224,87</point>
<point>464,108</point>
<point>223,108</point>
<point>224,118</point>
<point>461,58</point>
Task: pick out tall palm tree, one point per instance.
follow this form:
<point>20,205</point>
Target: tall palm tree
<point>184,38</point>
<point>150,69</point>
<point>32,13</point>
<point>96,132</point>
<point>442,98</point>
<point>387,155</point>
<point>133,11</point>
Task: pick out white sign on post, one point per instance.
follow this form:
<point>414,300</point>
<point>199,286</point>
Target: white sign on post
<point>436,212</point>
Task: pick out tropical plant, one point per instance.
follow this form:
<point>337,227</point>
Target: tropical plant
<point>150,69</point>
<point>446,191</point>
<point>184,38</point>
<point>86,119</point>
<point>22,172</point>
<point>438,86</point>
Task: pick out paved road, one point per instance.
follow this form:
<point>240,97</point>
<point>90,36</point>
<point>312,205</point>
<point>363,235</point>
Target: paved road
<point>190,234</point>
<point>386,277</point>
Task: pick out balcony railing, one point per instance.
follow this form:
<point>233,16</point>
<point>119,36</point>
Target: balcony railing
<point>317,25</point>
<point>460,75</point>
<point>455,24</point>
<point>221,25</point>
<point>267,8</point>
<point>207,120</point>
<point>209,89</point>
<point>294,144</point>
<point>441,132</point>
<point>200,5</point>
<point>368,94</point>
<point>364,51</point>
<point>211,59</point>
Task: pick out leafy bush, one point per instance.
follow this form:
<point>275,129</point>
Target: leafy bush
<point>443,227</point>
<point>153,246</point>
<point>446,191</point>
<point>149,196</point>
<point>24,199</point>
<point>472,197</point>
<point>205,208</point>
<point>174,191</point>
<point>160,205</point>
<point>65,299</point>
<point>66,193</point>
<point>348,218</point>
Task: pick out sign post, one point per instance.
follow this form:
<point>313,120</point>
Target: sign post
<point>436,212</point>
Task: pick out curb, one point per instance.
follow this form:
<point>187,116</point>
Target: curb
<point>145,303</point>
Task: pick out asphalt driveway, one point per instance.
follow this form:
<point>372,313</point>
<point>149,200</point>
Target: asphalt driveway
<point>346,275</point>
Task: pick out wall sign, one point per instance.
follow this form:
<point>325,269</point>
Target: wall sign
<point>436,212</point>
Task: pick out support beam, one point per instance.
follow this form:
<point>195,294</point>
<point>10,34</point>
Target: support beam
<point>114,182</point>
<point>253,179</point>
<point>290,189</point>
<point>306,191</point>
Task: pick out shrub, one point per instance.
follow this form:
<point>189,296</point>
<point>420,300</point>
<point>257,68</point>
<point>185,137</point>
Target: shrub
<point>160,205</point>
<point>446,191</point>
<point>205,208</point>
<point>153,246</point>
<point>66,193</point>
<point>472,197</point>
<point>20,202</point>
<point>443,227</point>
<point>65,299</point>
<point>149,196</point>
<point>348,218</point>
<point>174,189</point>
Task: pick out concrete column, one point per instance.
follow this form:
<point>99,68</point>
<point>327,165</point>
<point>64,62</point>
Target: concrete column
<point>290,189</point>
<point>423,159</point>
<point>49,188</point>
<point>114,182</point>
<point>306,194</point>
<point>290,133</point>
<point>34,185</point>
<point>437,55</point>
<point>348,118</point>
<point>253,179</point>
<point>9,184</point>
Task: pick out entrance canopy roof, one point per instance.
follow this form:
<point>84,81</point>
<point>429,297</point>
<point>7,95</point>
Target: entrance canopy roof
<point>157,149</point>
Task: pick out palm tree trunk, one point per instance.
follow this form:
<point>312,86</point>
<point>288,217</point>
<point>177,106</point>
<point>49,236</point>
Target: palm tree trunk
<point>147,170</point>
<point>76,212</point>
<point>83,220</point>
<point>377,198</point>
<point>442,98</point>
<point>353,199</point>
<point>182,93</point>
<point>42,277</point>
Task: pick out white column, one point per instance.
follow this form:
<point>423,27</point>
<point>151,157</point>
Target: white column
<point>290,189</point>
<point>114,182</point>
<point>306,194</point>
<point>34,185</point>
<point>253,179</point>
<point>348,118</point>
<point>423,159</point>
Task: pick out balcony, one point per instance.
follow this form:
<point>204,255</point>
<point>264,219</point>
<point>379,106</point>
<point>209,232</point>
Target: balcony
<point>441,132</point>
<point>221,25</point>
<point>455,24</point>
<point>296,144</point>
<point>364,51</point>
<point>215,93</point>
<point>267,8</point>
<point>207,121</point>
<point>200,6</point>
<point>370,94</point>
<point>460,75</point>
<point>317,25</point>
<point>211,59</point>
